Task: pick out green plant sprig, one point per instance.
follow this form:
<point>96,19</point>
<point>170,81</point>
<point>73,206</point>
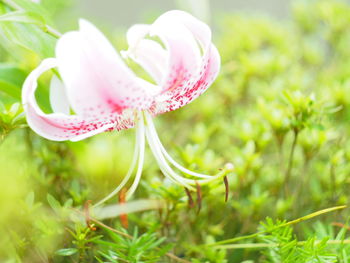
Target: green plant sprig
<point>271,245</point>
<point>293,222</point>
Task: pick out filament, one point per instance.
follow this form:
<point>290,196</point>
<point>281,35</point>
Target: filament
<point>163,165</point>
<point>139,150</point>
<point>168,157</point>
<point>141,143</point>
<point>162,158</point>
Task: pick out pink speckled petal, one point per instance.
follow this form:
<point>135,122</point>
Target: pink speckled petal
<point>199,29</point>
<point>208,73</point>
<point>184,53</point>
<point>97,80</point>
<point>56,126</point>
<point>185,90</point>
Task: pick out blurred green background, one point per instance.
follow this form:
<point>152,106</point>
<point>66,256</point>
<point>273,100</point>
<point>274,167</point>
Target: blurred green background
<point>279,111</point>
<point>116,12</point>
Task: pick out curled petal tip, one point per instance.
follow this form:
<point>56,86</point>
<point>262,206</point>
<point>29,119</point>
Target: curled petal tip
<point>83,22</point>
<point>136,33</point>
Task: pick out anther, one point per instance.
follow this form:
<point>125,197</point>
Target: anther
<point>87,216</point>
<point>226,188</point>
<point>122,200</point>
<point>199,197</point>
<point>190,199</point>
<point>229,167</point>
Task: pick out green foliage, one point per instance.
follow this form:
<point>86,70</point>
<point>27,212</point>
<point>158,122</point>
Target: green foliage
<point>22,17</point>
<point>11,119</point>
<point>26,28</point>
<point>286,248</point>
<point>143,248</point>
<point>279,112</point>
<point>11,80</point>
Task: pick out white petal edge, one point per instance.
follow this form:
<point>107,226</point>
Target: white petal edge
<point>58,98</point>
<point>51,126</point>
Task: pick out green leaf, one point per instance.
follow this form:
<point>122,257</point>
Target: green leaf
<point>66,252</point>
<point>30,199</point>
<point>2,107</point>
<point>31,7</point>
<point>11,80</point>
<point>23,17</point>
<point>29,37</point>
<point>10,89</point>
<point>55,205</point>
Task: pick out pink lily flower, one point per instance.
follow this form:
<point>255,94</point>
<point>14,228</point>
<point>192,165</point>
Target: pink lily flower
<point>105,94</point>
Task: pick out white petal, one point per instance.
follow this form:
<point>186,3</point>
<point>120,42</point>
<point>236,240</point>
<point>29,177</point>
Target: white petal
<point>152,57</point>
<point>58,98</point>
<point>184,54</point>
<point>136,33</point>
<point>56,126</point>
<point>186,83</point>
<point>97,80</point>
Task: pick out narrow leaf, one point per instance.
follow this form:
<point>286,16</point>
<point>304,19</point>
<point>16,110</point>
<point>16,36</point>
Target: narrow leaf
<point>23,17</point>
<point>65,252</point>
<point>55,205</point>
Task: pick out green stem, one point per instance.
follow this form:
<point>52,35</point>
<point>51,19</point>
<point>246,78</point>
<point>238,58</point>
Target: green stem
<point>47,29</point>
<point>290,162</point>
<point>298,220</point>
<point>279,143</point>
<point>269,245</point>
<point>333,182</point>
<point>302,183</point>
<point>3,136</point>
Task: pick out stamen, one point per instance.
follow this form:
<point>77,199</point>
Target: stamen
<point>168,157</point>
<point>122,201</point>
<point>141,160</point>
<point>227,189</point>
<point>190,199</point>
<point>163,165</point>
<point>162,157</point>
<point>139,134</point>
<point>199,197</point>
<point>87,216</point>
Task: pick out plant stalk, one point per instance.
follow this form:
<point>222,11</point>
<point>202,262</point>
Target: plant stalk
<point>290,162</point>
<point>269,245</point>
<point>295,221</point>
